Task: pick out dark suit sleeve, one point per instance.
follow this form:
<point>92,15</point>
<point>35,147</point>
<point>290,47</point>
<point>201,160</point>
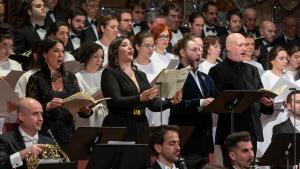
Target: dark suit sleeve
<point>20,41</point>
<point>4,154</point>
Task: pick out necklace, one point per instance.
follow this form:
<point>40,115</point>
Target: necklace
<point>55,75</point>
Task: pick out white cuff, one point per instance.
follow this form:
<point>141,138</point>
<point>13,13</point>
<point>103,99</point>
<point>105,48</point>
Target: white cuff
<point>201,102</point>
<point>15,160</point>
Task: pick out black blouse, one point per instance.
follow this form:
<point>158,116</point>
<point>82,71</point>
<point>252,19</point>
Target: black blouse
<point>59,120</point>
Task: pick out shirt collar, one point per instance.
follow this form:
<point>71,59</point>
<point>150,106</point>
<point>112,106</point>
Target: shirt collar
<point>28,138</point>
<point>164,166</point>
<point>297,126</point>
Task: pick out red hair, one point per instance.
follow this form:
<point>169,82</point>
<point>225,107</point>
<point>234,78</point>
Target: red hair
<point>158,29</point>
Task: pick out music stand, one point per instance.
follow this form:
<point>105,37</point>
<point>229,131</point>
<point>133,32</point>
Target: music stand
<point>61,165</point>
<point>119,156</point>
<point>281,151</point>
<point>236,101</point>
<point>85,139</point>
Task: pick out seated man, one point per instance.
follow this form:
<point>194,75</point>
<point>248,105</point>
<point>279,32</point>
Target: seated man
<point>293,106</point>
<point>239,150</point>
<point>164,142</point>
<point>16,145</point>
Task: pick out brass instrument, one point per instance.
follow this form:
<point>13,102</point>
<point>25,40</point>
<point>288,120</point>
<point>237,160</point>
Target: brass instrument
<point>51,151</point>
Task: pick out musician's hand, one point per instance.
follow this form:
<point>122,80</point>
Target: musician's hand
<point>266,101</point>
<point>177,98</point>
<point>205,102</point>
<point>148,94</point>
<point>54,103</point>
<point>34,148</point>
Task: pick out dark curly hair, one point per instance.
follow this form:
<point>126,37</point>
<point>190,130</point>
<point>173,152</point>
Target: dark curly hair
<point>86,51</point>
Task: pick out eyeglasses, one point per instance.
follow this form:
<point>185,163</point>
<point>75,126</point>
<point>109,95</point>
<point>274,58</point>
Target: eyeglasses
<point>163,37</point>
<point>149,46</point>
<point>5,46</point>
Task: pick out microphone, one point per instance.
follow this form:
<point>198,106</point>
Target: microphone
<point>182,164</point>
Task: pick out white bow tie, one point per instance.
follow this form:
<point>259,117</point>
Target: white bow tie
<point>33,139</point>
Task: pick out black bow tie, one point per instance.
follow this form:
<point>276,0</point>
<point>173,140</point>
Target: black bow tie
<point>94,22</point>
<point>50,12</point>
<point>76,36</point>
<point>289,40</point>
<point>137,24</point>
<point>36,27</point>
<point>175,31</point>
<point>268,45</point>
<point>251,32</point>
<point>213,29</point>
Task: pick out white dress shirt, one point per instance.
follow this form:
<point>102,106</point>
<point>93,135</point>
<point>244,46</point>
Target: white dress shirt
<point>7,65</point>
<point>15,159</point>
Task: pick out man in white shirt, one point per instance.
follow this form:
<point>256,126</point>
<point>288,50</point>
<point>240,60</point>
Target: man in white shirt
<point>239,150</point>
<point>293,121</point>
<point>165,143</point>
<point>16,145</point>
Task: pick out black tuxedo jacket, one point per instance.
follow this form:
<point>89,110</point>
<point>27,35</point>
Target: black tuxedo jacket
<point>230,75</point>
<point>156,165</point>
<point>189,113</point>
<point>88,34</point>
<point>11,143</point>
<point>255,31</point>
<point>25,38</point>
<point>284,127</point>
<point>263,56</point>
<point>58,15</point>
<point>282,42</point>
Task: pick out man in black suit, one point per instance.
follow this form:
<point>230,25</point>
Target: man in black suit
<point>125,23</point>
<point>138,9</point>
<point>268,30</point>
<point>233,74</point>
<point>33,30</point>
<point>164,142</point>
<point>250,23</point>
<point>76,21</point>
<point>239,150</point>
<point>293,105</point>
<point>53,15</point>
<point>289,37</point>
<point>92,9</point>
<point>16,145</point>
<point>198,91</point>
<point>209,11</point>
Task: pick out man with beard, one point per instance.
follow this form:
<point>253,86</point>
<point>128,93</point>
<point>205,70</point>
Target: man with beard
<point>239,150</point>
<point>233,74</point>
<point>15,146</point>
<point>210,12</point>
<point>198,91</point>
<point>34,29</point>
<point>164,142</point>
<point>76,20</point>
<point>125,23</point>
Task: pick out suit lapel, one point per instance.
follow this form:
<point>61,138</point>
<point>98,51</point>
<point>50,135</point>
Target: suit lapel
<point>194,85</point>
<point>34,33</point>
<point>202,84</point>
<point>289,127</point>
<point>19,143</point>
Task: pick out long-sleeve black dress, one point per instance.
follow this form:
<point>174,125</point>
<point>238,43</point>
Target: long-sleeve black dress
<point>59,120</point>
<point>125,107</point>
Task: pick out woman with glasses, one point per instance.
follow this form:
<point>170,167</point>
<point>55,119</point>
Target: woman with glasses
<point>129,90</point>
<point>89,79</point>
<point>6,48</point>
<point>162,35</point>
<point>108,28</point>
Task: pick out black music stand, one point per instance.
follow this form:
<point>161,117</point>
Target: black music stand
<point>281,151</point>
<point>62,165</point>
<point>236,101</point>
<point>85,139</point>
<point>119,156</point>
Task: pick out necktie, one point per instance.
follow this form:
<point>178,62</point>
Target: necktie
<point>50,12</point>
<point>175,31</point>
<point>269,45</point>
<point>76,36</point>
<point>213,29</point>
<point>36,27</point>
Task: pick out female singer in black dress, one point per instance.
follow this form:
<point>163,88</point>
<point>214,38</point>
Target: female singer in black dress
<point>129,90</point>
<point>49,86</point>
